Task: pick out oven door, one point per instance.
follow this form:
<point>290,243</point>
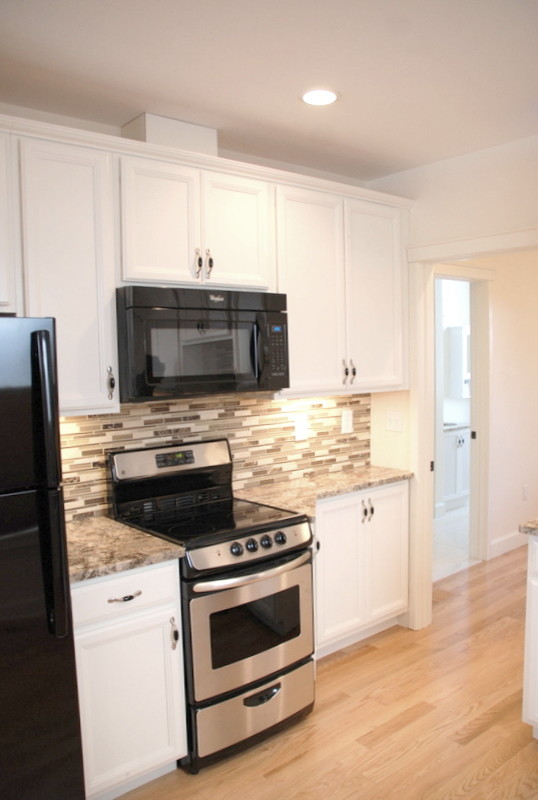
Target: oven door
<point>245,627</point>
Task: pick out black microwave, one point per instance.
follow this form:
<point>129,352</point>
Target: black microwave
<point>181,342</point>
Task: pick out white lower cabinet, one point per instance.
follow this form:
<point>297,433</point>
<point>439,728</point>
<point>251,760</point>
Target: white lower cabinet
<point>530,680</point>
<point>361,566</point>
<point>130,672</point>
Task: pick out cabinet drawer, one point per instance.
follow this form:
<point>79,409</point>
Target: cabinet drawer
<point>126,593</point>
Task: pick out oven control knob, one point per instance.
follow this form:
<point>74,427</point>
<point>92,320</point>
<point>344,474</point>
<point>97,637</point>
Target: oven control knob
<point>266,541</point>
<point>251,545</point>
<point>236,549</point>
<point>280,537</point>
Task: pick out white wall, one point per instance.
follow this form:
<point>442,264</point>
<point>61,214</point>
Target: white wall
<point>469,205</point>
<point>483,194</point>
<point>513,400</point>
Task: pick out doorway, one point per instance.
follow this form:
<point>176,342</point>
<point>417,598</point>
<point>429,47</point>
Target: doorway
<point>452,550</point>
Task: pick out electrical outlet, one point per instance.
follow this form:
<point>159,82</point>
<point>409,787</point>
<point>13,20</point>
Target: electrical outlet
<point>347,420</point>
<point>301,427</point>
<point>395,421</point>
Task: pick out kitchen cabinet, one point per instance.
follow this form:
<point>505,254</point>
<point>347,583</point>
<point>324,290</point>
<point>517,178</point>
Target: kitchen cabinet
<point>362,563</point>
<point>340,263</point>
<point>456,463</point>
<point>189,226</point>
<point>68,264</point>
<point>8,272</point>
<point>130,671</point>
<point>530,674</point>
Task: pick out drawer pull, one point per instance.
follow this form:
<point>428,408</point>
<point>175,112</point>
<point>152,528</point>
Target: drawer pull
<point>126,598</point>
<point>174,632</point>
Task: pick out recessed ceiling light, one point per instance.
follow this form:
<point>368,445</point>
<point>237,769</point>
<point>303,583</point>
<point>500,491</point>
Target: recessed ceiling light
<point>320,97</point>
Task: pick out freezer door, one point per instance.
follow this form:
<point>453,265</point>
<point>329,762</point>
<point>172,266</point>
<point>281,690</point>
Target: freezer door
<point>29,433</point>
<point>40,750</point>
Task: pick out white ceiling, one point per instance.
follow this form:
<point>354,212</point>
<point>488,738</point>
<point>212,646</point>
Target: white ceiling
<point>420,80</point>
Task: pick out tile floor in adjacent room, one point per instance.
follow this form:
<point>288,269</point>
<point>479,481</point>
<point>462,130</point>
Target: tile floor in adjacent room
<point>451,543</point>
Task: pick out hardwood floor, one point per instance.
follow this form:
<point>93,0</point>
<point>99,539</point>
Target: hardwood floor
<point>414,715</point>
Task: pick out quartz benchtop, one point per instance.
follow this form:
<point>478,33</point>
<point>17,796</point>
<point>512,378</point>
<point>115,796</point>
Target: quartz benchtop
<point>301,494</point>
<point>100,546</point>
<point>530,527</point>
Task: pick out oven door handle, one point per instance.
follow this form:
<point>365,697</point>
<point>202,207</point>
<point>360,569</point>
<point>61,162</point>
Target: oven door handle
<point>232,583</point>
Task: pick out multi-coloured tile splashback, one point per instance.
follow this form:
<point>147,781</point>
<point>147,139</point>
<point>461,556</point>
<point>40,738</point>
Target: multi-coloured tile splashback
<point>262,432</point>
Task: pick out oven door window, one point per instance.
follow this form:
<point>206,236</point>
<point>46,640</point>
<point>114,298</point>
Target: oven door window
<point>245,630</point>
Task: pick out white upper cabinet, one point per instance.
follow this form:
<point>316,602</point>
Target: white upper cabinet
<point>340,263</point>
<point>311,274</point>
<point>189,226</point>
<point>68,261</point>
<point>374,296</point>
<point>8,282</point>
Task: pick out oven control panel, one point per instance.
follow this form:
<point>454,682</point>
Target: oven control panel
<point>250,547</point>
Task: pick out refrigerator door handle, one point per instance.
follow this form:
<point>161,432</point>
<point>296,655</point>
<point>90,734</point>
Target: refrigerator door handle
<point>54,563</point>
<point>47,425</point>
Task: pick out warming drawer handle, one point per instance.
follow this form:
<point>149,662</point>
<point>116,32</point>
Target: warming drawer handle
<point>126,598</point>
<point>262,697</point>
<point>244,580</point>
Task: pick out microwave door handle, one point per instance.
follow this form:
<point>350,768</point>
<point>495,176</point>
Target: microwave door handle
<point>255,350</point>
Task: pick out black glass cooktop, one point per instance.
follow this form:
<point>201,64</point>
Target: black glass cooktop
<point>220,521</point>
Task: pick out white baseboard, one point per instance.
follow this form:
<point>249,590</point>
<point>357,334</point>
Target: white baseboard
<point>503,544</point>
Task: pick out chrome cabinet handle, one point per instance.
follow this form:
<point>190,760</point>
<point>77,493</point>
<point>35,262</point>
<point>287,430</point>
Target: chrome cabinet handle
<point>199,262</point>
<point>353,370</point>
<point>111,382</point>
<point>126,598</point>
<point>174,633</point>
<point>364,512</point>
<point>371,510</point>
<point>346,371</point>
<point>210,263</point>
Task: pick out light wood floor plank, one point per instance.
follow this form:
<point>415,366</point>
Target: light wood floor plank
<point>433,714</point>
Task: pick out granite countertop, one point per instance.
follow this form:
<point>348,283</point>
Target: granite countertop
<point>530,527</point>
<point>99,546</point>
<point>301,494</point>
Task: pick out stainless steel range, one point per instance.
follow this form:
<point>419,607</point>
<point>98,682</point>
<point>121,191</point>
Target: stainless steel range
<point>246,592</point>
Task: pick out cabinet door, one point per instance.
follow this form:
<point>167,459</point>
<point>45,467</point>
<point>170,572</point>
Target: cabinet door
<point>8,282</point>
<point>311,273</point>
<point>67,218</point>
<point>374,295</point>
<point>160,205</point>
<point>387,571</point>
<point>340,592</point>
<point>130,683</point>
<point>238,231</point>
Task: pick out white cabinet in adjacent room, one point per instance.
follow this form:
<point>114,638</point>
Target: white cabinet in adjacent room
<point>68,264</point>
<point>362,563</point>
<point>340,262</point>
<point>129,656</point>
<point>195,227</point>
<point>456,464</point>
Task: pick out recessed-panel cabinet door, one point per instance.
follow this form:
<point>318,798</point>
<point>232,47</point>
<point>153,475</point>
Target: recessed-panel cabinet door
<point>67,224</point>
<point>8,300</point>
<point>238,231</point>
<point>311,273</point>
<point>160,221</point>
<point>374,292</point>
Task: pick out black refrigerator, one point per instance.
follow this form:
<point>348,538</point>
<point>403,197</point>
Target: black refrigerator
<point>40,747</point>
